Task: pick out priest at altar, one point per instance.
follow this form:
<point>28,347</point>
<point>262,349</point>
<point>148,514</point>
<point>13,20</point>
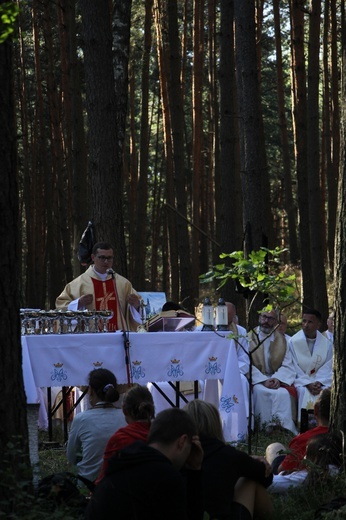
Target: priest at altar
<point>101,288</point>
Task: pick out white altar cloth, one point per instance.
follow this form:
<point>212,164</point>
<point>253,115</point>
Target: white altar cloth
<point>67,359</point>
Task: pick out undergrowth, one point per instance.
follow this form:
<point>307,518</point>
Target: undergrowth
<point>18,500</point>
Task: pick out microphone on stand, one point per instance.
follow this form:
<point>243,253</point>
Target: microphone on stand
<point>111,272</point>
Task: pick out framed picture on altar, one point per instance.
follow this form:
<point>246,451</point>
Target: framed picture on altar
<point>154,302</point>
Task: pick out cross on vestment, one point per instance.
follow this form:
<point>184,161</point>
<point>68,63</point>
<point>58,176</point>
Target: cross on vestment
<point>105,299</point>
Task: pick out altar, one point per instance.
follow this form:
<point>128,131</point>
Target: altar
<point>66,360</point>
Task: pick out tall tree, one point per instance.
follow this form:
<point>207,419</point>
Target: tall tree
<point>167,166</point>
<point>333,159</point>
<point>13,424</point>
<point>338,405</point>
<point>197,133</point>
<point>229,204</point>
<point>140,245</point>
<point>285,147</point>
<point>318,272</point>
<point>299,108</point>
<point>105,121</point>
<point>177,121</point>
<point>256,219</point>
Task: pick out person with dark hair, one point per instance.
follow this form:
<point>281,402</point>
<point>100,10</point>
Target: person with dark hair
<point>313,355</point>
<point>293,461</point>
<point>101,288</point>
<point>90,430</point>
<point>160,479</point>
<point>139,411</point>
<point>323,459</point>
<point>233,482</point>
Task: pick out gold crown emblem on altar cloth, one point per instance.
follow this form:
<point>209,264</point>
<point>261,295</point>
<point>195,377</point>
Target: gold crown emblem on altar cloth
<point>58,365</point>
<point>175,361</point>
<point>98,363</point>
<point>136,362</point>
<point>212,358</point>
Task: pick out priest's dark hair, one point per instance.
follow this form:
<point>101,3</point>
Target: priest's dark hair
<point>101,245</point>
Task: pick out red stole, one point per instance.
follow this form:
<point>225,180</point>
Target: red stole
<point>106,299</point>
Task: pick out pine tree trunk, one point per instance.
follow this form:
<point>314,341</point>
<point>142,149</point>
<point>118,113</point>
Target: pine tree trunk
<point>315,205</point>
<point>299,105</point>
<point>13,424</point>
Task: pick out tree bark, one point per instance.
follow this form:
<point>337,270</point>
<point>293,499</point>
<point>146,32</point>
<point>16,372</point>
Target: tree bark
<point>230,203</point>
<point>338,404</point>
<point>170,269</point>
<point>320,297</point>
<point>13,424</point>
<point>250,132</point>
<point>142,190</point>
<point>106,108</point>
<point>299,105</point>
<point>286,153</point>
<point>177,126</point>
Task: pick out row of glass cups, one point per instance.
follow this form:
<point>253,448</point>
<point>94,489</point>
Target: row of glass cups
<point>63,322</point>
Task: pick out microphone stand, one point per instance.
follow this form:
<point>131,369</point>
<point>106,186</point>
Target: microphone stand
<point>127,355</point>
<point>125,333</point>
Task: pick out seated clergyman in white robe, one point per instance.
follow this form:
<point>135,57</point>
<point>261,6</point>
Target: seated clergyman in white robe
<point>313,355</point>
<point>273,374</point>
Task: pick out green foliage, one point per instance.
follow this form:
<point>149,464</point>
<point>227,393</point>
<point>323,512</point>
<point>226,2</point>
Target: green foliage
<point>261,272</point>
<point>8,14</point>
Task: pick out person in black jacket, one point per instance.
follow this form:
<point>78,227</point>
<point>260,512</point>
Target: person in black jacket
<point>234,484</point>
<point>160,479</point>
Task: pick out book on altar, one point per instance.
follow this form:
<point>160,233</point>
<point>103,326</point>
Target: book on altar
<point>170,321</point>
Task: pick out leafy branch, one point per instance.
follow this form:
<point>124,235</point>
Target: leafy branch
<point>8,15</point>
<point>258,274</point>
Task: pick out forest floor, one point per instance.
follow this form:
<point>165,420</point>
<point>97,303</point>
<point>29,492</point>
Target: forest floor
<point>297,504</point>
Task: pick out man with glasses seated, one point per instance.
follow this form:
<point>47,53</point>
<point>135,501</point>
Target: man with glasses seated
<point>273,374</point>
<point>101,288</point>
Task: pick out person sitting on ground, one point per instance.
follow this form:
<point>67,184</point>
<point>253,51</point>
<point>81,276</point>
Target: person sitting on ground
<point>90,430</point>
<point>323,459</point>
<point>233,482</point>
<point>139,411</point>
<point>145,480</point>
<point>293,461</point>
